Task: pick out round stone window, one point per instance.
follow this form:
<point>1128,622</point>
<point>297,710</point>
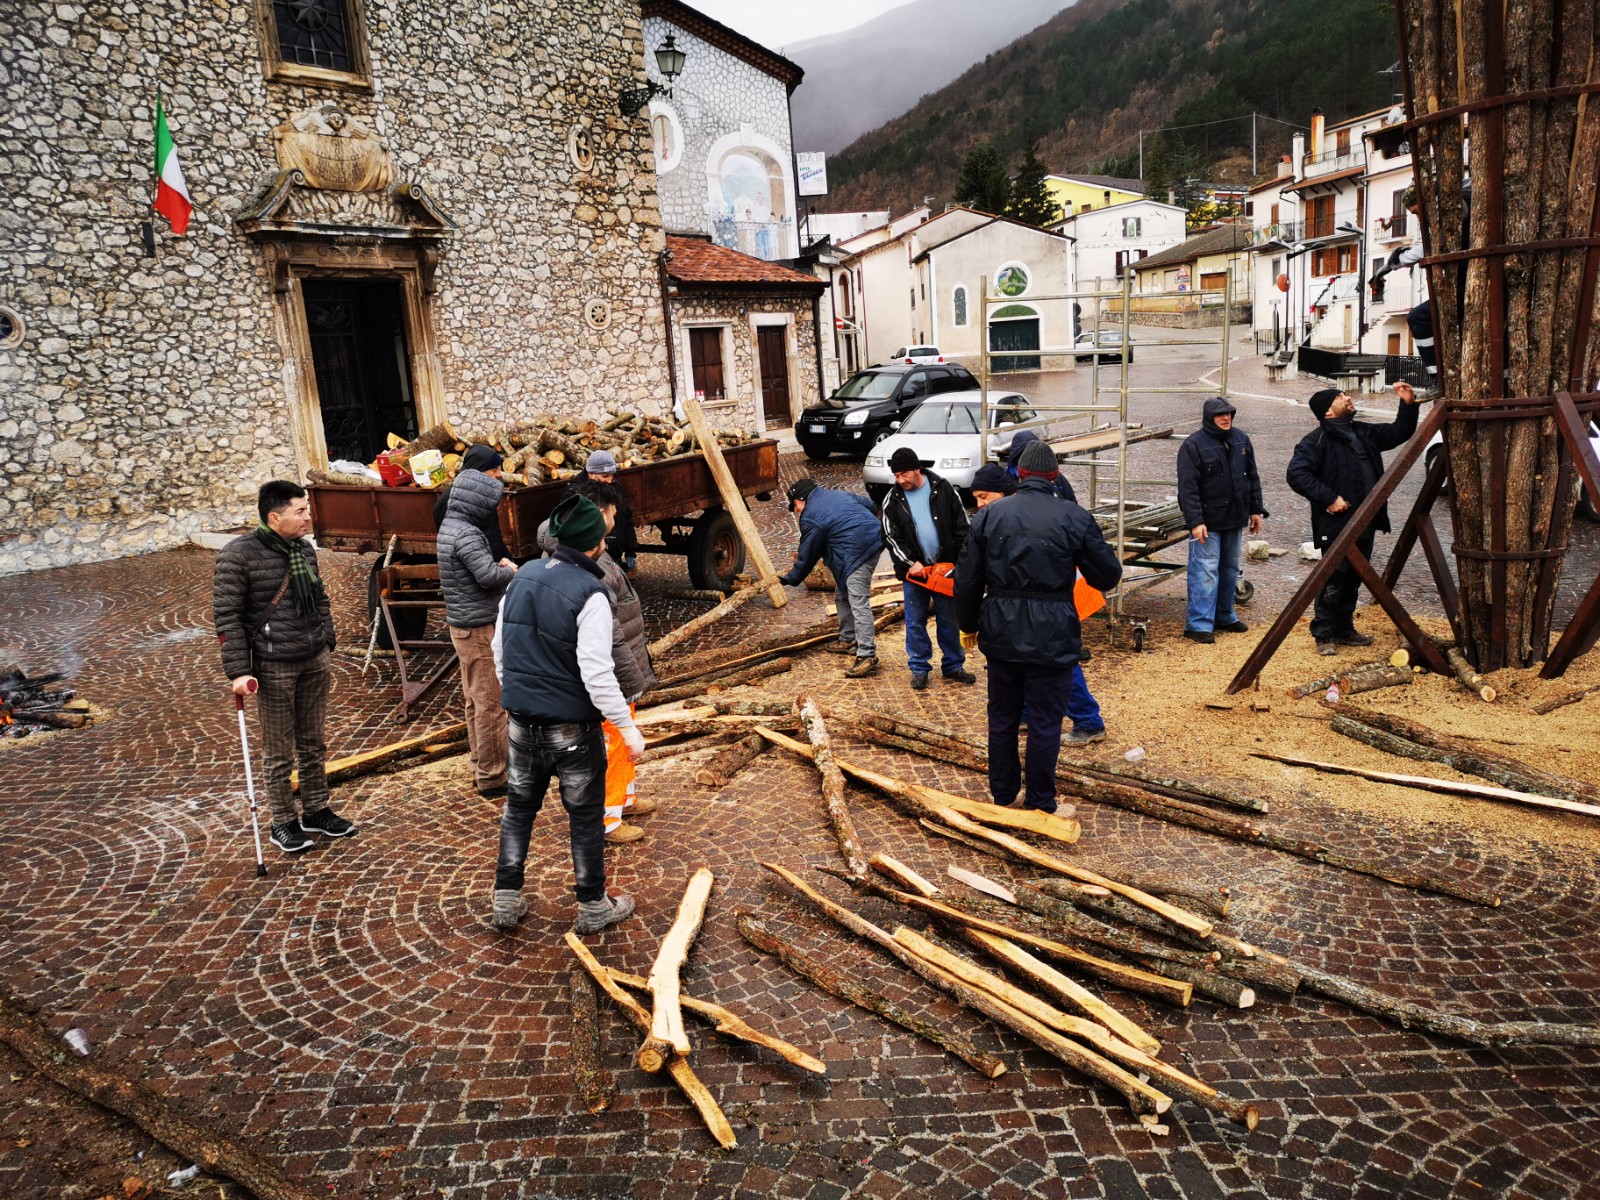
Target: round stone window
<point>11,328</point>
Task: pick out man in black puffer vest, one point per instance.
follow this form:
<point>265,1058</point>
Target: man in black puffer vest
<point>552,650</point>
<point>1334,467</point>
<point>276,629</point>
<point>1219,491</point>
<point>1014,585</point>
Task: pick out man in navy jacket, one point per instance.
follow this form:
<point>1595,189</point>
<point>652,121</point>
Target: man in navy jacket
<point>1219,492</point>
<point>841,528</point>
<point>1014,590</point>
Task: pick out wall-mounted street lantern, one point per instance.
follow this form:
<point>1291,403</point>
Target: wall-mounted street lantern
<point>669,61</point>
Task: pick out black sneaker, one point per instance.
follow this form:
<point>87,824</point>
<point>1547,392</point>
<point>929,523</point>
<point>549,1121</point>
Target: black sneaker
<point>1235,626</point>
<point>962,676</point>
<point>1204,636</point>
<point>1352,639</point>
<point>288,838</point>
<point>326,822</point>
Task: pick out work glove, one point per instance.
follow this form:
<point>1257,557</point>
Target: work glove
<point>969,642</point>
<point>634,740</point>
<point>629,562</point>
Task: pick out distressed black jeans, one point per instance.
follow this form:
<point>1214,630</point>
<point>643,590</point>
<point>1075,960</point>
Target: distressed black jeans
<point>574,754</point>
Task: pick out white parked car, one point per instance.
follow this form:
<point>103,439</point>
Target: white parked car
<point>944,431</point>
<point>917,354</point>
<point>1105,345</point>
<point>1588,506</point>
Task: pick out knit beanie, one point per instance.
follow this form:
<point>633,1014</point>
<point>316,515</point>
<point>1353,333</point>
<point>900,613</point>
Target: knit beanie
<point>601,462</point>
<point>800,489</point>
<point>481,458</point>
<point>1038,459</point>
<point>578,523</point>
<point>993,478</point>
<point>1322,401</point>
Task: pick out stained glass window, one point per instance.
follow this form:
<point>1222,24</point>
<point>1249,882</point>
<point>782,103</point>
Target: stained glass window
<point>958,300</point>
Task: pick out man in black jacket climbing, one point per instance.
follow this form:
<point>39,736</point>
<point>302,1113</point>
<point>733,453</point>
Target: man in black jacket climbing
<point>1219,492</point>
<point>1334,467</point>
<point>1014,599</point>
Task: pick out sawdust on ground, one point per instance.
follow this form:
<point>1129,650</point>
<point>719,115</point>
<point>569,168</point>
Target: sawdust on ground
<point>1158,700</point>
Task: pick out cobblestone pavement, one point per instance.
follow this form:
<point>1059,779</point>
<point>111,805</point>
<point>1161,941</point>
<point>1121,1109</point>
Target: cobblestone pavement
<point>354,1015</point>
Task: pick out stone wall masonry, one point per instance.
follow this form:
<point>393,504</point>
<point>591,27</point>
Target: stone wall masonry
<point>742,373</point>
<point>150,396</point>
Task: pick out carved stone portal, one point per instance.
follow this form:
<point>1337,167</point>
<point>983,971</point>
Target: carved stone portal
<point>333,150</point>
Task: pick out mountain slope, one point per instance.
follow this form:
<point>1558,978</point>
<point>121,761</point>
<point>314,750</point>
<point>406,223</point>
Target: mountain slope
<point>1084,83</point>
<point>858,79</point>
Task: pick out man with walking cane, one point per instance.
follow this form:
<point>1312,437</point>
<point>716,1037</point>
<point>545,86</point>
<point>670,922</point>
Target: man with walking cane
<point>276,630</point>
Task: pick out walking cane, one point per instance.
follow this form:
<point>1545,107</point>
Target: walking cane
<point>250,779</point>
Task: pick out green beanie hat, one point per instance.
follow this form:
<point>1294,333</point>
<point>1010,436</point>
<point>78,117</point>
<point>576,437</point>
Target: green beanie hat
<point>578,522</point>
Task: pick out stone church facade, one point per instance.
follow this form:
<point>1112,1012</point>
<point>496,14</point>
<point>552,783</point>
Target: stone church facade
<point>403,214</point>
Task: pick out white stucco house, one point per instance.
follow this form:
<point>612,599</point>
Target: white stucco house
<point>1106,240</point>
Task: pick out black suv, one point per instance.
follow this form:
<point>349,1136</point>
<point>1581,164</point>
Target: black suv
<point>871,403</point>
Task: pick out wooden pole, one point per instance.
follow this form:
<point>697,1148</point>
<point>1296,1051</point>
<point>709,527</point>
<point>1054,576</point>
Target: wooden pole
<point>1469,678</point>
<point>596,1085</point>
<point>732,1025</point>
<point>833,799</point>
<point>733,500</point>
<point>667,1037</point>
<point>719,770</point>
<point>688,629</point>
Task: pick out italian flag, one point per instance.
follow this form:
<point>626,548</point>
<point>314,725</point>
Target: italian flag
<point>172,193</point>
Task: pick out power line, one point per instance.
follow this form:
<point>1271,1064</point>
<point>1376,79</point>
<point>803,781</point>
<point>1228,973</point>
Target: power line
<point>1134,137</point>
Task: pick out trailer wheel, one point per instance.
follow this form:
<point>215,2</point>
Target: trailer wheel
<point>716,551</point>
<point>409,623</point>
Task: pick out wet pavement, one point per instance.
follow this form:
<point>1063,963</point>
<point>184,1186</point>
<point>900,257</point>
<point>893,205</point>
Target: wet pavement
<point>355,1017</point>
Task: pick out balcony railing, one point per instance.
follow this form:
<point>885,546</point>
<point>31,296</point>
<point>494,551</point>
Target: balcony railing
<point>1286,232</point>
<point>1333,161</point>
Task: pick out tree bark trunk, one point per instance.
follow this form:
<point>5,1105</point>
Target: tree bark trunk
<point>722,766</point>
<point>737,679</point>
<point>596,1085</point>
<point>833,797</point>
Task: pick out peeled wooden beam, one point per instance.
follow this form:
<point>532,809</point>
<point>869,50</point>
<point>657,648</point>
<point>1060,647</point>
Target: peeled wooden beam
<point>732,604</point>
<point>678,1067</point>
<point>342,770</point>
<point>1140,1096</point>
<point>1067,918</point>
<point>733,501</point>
<point>833,798</point>
<point>188,1137</point>
<point>596,1085</point>
<point>688,691</point>
<point>1471,760</point>
<point>831,980</point>
<point>1446,787</point>
<point>718,771</point>
<point>1470,679</point>
<point>1101,1040</point>
<point>667,1036</point>
<point>732,1025</point>
<point>694,745</point>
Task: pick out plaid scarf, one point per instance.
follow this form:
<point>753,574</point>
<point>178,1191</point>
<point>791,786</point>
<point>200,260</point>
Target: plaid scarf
<point>302,566</point>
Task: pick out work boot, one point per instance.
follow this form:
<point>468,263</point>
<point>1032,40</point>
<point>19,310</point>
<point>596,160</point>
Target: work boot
<point>961,676</point>
<point>640,808</point>
<point>595,915</point>
<point>839,646</point>
<point>1204,636</point>
<point>919,681</point>
<point>509,908</point>
<point>288,838</point>
<point>1085,737</point>
<point>1327,649</point>
<point>624,833</point>
<point>326,822</point>
<point>1353,639</point>
<point>1234,626</point>
<point>862,668</point>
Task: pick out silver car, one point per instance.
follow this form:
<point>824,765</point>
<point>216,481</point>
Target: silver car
<point>944,431</point>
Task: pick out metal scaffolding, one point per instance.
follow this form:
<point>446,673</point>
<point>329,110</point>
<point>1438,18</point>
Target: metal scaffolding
<point>1091,304</point>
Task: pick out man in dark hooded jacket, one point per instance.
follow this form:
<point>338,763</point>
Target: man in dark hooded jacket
<point>1219,492</point>
<point>473,581</point>
<point>841,528</point>
<point>1334,467</point>
<point>1021,442</point>
<point>1014,590</point>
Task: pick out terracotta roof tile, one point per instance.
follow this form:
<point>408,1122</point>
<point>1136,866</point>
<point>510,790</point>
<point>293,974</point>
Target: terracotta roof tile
<point>695,260</point>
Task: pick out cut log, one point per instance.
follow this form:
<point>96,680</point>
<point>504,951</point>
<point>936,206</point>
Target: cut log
<point>1141,1097</point>
<point>1103,1042</point>
<point>1210,984</point>
<point>781,644</point>
<point>1315,687</point>
<point>923,800</point>
<point>908,879</point>
<point>1070,921</point>
<point>688,629</point>
<point>667,1037</point>
<point>689,690</point>
<point>1545,707</point>
<point>718,771</point>
<point>677,1066</point>
<point>1470,760</point>
<point>1445,787</point>
<point>436,437</point>
<point>749,706</point>
<point>596,1085</point>
<point>733,500</point>
<point>831,980</point>
<point>1469,679</point>
<point>694,745</point>
<point>833,798</point>
<point>1372,678</point>
<point>1176,789</point>
<point>1215,900</point>
<point>185,1135</point>
<point>342,770</point>
<point>732,1025</point>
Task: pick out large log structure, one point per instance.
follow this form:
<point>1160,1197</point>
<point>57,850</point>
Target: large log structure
<point>1514,300</point>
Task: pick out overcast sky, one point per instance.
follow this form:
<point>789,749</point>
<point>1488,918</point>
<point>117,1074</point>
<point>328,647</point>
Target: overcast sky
<point>778,25</point>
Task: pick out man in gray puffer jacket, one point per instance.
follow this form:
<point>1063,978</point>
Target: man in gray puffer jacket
<point>276,628</point>
<point>473,583</point>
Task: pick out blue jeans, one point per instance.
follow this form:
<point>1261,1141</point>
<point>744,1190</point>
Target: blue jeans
<point>1213,575</point>
<point>1082,708</point>
<point>576,755</point>
<point>920,603</point>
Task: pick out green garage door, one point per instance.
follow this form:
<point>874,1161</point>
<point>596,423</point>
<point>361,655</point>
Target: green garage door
<point>1014,328</point>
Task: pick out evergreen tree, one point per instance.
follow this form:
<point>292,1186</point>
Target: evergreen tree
<point>984,184</point>
<point>1031,201</point>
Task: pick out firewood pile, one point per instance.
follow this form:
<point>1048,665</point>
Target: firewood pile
<point>29,706</point>
<point>549,447</point>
